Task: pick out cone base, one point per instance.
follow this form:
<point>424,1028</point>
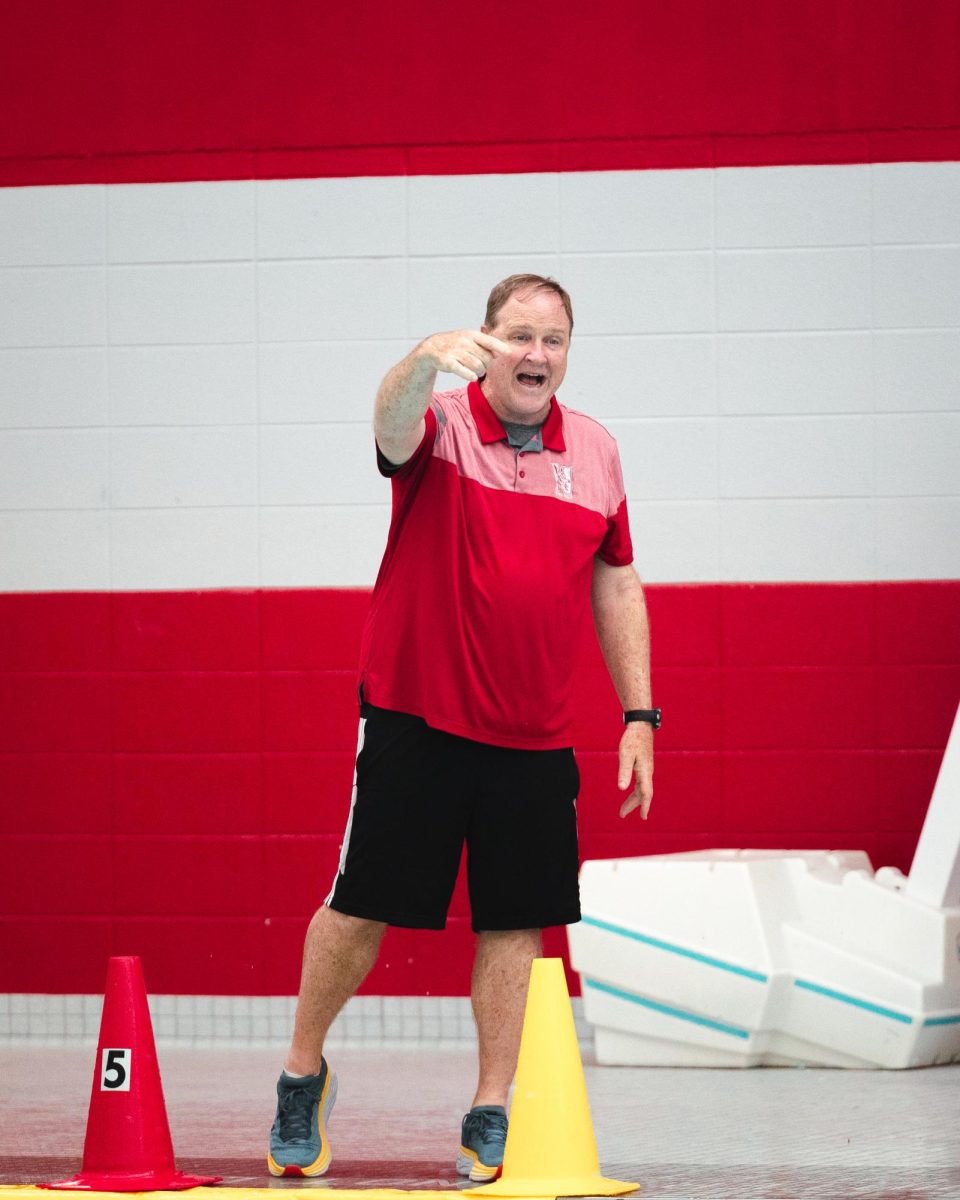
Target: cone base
<point>571,1185</point>
<point>147,1181</point>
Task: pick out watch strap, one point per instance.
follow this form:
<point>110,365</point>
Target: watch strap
<point>651,716</point>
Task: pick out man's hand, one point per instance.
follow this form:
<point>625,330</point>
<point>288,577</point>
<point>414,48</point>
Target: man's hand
<point>463,352</point>
<point>636,766</point>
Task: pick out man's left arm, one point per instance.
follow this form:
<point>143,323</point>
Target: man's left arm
<point>620,617</point>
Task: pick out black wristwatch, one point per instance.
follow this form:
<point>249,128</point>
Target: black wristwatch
<point>651,716</point>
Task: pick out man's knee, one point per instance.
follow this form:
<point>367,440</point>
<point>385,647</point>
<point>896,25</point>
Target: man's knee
<point>347,929</point>
<point>509,941</point>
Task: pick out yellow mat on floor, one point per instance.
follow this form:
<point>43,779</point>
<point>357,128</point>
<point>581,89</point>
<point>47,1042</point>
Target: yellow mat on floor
<point>28,1192</point>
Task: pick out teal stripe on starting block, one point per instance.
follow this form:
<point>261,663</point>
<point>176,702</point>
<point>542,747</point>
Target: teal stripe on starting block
<point>672,948</point>
<point>954,1020</point>
<point>891,1013</point>
<point>680,1013</point>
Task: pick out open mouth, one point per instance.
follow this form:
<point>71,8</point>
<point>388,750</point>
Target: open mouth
<point>528,380</point>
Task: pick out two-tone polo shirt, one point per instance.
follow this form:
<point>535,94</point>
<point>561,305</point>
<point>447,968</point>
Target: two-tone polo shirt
<point>476,614</point>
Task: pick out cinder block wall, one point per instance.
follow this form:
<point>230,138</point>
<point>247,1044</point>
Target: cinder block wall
<point>204,272</point>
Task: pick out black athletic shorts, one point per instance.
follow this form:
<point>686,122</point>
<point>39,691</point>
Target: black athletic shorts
<point>419,794</point>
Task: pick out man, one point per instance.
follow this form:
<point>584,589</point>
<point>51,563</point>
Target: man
<point>509,516</point>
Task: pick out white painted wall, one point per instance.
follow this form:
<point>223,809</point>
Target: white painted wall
<point>187,370</point>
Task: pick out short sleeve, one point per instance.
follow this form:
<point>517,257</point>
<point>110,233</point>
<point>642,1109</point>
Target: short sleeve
<point>416,460</point>
<point>616,549</point>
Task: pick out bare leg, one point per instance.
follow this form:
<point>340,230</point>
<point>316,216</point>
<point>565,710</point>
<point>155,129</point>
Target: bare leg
<point>501,973</point>
<point>338,952</point>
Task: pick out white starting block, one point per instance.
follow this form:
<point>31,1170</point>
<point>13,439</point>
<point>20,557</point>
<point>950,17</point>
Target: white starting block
<point>753,957</point>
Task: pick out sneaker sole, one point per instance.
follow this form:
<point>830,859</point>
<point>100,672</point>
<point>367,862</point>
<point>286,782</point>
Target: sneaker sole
<point>320,1165</point>
<point>469,1164</point>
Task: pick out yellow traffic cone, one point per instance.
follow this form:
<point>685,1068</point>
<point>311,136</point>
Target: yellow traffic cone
<point>550,1147</point>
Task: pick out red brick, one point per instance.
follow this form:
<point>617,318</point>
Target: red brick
<point>189,876</point>
<point>54,713</point>
<point>55,631</point>
<point>808,625</point>
<point>186,712</point>
<point>186,631</point>
<point>62,793</point>
<point>307,791</point>
<point>187,793</point>
<point>318,629</point>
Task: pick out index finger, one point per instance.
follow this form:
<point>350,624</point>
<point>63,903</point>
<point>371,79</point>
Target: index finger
<point>489,342</point>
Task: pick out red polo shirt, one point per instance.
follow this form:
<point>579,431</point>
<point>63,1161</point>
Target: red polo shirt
<point>476,614</point>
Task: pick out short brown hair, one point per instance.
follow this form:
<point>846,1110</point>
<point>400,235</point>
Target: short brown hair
<point>524,283</point>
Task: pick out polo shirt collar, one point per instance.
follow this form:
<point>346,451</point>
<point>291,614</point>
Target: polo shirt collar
<point>490,427</point>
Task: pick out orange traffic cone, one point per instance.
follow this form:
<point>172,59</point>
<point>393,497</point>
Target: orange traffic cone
<point>550,1148</point>
<point>128,1146</point>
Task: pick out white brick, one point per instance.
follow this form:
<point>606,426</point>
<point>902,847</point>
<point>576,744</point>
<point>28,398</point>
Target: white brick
<point>183,385</point>
<point>916,202</point>
<point>52,306</point>
<point>667,459</point>
<point>641,376</point>
<point>794,373</point>
<point>490,214</point>
<point>793,206</point>
<point>919,455</point>
<point>164,304</point>
<point>190,467</point>
<point>772,540</point>
<point>636,210</point>
<point>51,226</point>
<point>917,369</point>
<point>917,286</point>
<point>328,546</point>
<point>331,218</point>
<point>184,548</point>
<point>334,300</point>
<point>51,387</point>
<point>324,381</point>
<point>793,289</point>
<point>54,551</point>
<point>796,456</point>
<point>917,538</point>
<point>320,464</point>
<point>641,293</point>
<point>451,293</point>
<point>180,222</point>
<point>676,540</point>
<point>53,468</point>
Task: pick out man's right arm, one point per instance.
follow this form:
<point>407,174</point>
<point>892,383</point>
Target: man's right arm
<point>406,389</point>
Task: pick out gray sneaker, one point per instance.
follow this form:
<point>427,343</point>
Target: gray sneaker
<point>482,1139</point>
<point>298,1140</point>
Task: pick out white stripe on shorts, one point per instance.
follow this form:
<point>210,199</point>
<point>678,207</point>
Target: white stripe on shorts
<point>353,800</point>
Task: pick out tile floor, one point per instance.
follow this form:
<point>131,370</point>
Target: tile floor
<point>722,1134</point>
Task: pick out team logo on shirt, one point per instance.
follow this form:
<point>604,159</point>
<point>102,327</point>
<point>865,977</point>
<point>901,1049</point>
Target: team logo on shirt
<point>563,481</point>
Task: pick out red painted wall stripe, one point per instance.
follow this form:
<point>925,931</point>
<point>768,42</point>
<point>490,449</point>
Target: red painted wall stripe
<point>180,763</point>
<point>105,90</point>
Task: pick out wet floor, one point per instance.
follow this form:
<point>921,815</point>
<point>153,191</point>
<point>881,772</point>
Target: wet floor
<point>718,1134</point>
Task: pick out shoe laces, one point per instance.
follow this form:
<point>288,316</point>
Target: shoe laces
<point>493,1127</point>
<point>296,1111</point>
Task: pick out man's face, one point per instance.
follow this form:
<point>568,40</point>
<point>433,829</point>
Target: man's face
<point>519,385</point>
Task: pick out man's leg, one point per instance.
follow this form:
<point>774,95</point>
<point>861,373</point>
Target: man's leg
<point>338,952</point>
<point>501,973</point>
<point>337,955</point>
